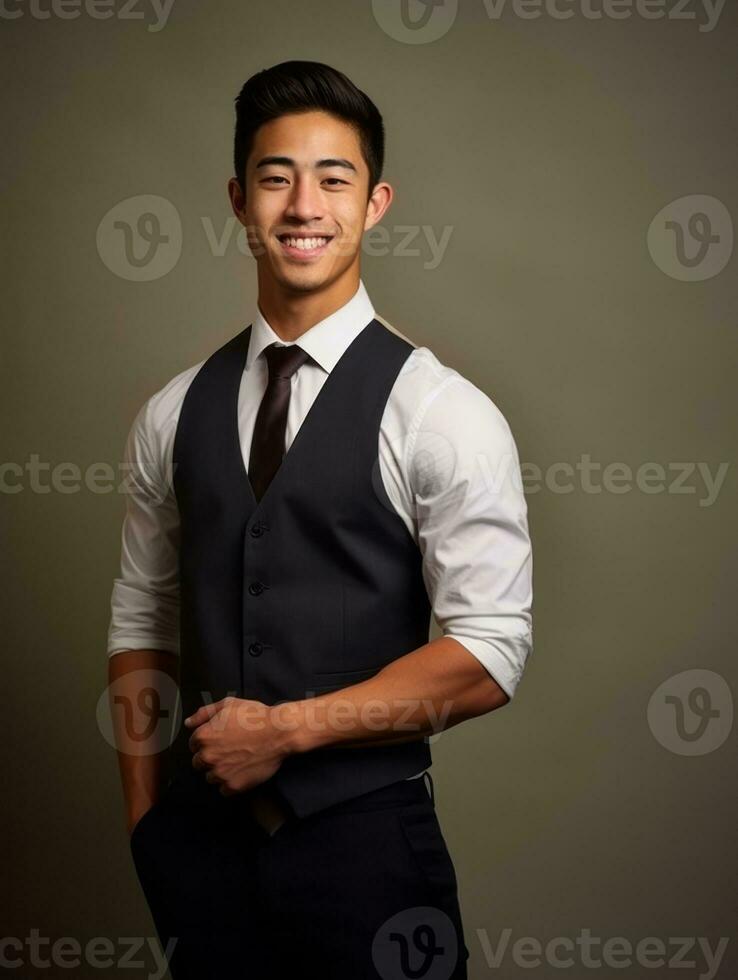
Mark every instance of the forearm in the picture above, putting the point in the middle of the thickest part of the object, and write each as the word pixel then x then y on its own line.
pixel 428 690
pixel 134 676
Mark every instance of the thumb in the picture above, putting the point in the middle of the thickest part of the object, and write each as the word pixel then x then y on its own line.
pixel 203 714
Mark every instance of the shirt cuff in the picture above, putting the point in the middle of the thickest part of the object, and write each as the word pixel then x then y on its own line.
pixel 141 620
pixel 504 666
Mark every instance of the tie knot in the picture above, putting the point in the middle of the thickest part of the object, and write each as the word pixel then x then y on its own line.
pixel 284 361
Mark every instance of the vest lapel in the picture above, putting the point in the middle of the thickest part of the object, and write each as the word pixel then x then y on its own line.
pixel 314 413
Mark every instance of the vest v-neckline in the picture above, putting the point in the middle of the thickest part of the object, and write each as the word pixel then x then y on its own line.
pixel 306 422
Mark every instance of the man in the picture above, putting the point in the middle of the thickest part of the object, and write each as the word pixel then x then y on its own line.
pixel 332 485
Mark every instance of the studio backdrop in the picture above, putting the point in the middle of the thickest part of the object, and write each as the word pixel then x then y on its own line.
pixel 562 235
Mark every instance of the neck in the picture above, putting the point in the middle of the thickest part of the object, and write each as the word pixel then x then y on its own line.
pixel 292 312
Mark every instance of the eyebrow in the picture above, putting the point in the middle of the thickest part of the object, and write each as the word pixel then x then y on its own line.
pixel 319 164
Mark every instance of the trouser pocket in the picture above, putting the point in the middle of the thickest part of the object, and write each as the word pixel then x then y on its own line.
pixel 425 840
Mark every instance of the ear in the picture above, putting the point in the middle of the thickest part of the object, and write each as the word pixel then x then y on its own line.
pixel 378 203
pixel 237 199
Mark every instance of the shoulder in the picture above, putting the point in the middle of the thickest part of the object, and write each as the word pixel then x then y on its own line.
pixel 429 394
pixel 156 421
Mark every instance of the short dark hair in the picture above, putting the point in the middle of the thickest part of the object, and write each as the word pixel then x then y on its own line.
pixel 304 86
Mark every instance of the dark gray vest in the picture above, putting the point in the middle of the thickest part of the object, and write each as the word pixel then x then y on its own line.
pixel 315 587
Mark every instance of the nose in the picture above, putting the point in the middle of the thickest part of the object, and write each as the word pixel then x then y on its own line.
pixel 305 202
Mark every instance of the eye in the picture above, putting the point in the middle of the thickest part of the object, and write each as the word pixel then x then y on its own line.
pixel 337 180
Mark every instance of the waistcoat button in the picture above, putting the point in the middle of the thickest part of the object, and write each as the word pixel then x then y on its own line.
pixel 256 588
pixel 257 530
pixel 256 649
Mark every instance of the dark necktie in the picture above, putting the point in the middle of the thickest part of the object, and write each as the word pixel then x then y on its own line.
pixel 268 440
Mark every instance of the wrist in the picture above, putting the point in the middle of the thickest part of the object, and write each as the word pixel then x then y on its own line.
pixel 289 721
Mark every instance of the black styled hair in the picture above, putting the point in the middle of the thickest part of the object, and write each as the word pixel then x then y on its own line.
pixel 304 86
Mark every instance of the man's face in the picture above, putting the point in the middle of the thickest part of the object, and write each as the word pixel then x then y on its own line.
pixel 305 206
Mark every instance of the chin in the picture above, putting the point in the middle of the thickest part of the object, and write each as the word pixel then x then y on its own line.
pixel 303 280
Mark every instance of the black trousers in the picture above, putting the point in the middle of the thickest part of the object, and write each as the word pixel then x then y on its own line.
pixel 364 889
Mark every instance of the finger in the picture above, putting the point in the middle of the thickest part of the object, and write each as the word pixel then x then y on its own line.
pixel 195 741
pixel 204 713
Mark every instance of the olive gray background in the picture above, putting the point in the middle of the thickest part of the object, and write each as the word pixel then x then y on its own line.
pixel 547 147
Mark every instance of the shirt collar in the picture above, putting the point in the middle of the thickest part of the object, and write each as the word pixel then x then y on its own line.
pixel 327 340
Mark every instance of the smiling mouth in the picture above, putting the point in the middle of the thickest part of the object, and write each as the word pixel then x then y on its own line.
pixel 302 245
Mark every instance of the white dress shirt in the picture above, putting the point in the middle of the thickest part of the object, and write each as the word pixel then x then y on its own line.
pixel 447 459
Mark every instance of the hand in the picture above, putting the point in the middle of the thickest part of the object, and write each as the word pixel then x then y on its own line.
pixel 237 743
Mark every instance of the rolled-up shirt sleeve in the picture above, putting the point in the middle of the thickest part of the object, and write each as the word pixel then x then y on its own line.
pixel 471 518
pixel 144 604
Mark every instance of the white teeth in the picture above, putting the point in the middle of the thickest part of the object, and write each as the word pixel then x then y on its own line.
pixel 305 244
